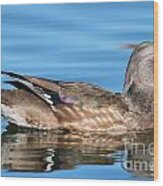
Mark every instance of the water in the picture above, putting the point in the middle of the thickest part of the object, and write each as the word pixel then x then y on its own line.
pixel 89 156
pixel 72 42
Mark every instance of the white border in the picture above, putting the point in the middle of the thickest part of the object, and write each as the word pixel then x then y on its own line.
pixel 59 1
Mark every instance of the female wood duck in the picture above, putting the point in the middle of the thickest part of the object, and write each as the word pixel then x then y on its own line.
pixel 47 104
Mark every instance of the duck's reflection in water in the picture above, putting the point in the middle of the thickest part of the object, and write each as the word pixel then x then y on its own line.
pixel 48 151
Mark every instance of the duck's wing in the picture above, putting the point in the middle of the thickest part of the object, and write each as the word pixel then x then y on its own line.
pixel 76 105
pixel 56 92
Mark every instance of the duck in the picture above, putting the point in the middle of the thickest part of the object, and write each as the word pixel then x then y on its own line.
pixel 45 104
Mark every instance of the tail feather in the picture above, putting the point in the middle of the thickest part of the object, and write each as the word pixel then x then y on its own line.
pixel 25 83
pixel 14 75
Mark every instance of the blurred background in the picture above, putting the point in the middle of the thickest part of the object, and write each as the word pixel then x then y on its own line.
pixel 74 42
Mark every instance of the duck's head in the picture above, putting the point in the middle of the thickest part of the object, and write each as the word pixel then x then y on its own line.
pixel 139 77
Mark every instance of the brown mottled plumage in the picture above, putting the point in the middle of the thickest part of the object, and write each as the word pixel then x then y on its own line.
pixel 47 104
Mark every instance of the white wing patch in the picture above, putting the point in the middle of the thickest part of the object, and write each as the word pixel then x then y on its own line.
pixel 49 98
